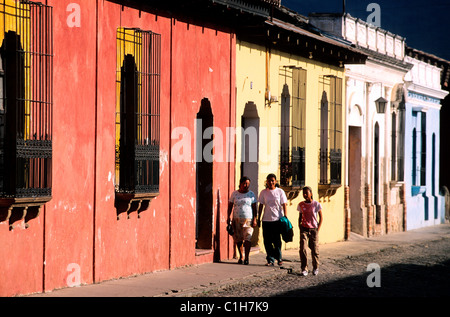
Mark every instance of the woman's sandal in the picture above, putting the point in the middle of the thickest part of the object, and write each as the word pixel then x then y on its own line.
pixel 245 262
pixel 269 264
pixel 240 261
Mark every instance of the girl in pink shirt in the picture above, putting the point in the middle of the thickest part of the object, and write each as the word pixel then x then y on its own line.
pixel 309 222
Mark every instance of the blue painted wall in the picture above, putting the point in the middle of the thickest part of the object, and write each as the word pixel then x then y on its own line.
pixel 425 205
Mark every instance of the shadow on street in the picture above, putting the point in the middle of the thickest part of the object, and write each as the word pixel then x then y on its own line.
pixel 399 280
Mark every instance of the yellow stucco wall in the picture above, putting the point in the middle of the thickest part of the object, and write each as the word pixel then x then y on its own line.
pixel 251 63
pixel 15 17
pixel 129 42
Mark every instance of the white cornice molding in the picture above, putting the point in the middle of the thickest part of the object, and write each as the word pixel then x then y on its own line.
pixel 427 91
pixel 374 72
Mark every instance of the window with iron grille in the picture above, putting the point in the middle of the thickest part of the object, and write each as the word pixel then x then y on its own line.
pixel 394 146
pixel 137 112
pixel 292 151
pixel 423 150
pixel 330 134
pixel 414 155
pixel 397 138
pixel 419 148
pixel 26 90
pixel 401 143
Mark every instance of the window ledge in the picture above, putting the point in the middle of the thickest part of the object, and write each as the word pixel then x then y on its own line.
pixel 130 202
pixel 328 190
pixel 292 192
pixel 394 184
pixel 13 209
pixel 417 190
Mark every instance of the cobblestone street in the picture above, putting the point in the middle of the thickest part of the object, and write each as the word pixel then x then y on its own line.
pixel 412 270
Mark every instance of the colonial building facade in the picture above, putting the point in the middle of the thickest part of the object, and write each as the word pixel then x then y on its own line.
pixel 421 98
pixel 290 94
pixel 374 170
pixel 90 187
pixel 117 155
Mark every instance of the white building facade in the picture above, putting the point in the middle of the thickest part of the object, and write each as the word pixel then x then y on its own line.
pixel 375 121
pixel 423 97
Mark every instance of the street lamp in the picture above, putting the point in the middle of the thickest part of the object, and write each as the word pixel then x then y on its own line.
pixel 381 104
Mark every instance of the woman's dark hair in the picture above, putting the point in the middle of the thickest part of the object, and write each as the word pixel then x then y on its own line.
pixel 271 175
pixel 244 179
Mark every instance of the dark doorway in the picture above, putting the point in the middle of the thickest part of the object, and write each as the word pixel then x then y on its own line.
pixel 250 145
pixel 250 153
pixel 204 177
pixel 376 173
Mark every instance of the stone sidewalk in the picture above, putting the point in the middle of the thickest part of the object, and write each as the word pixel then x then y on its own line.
pixel 192 280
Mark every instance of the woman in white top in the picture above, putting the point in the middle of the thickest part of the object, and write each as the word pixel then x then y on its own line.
pixel 243 204
pixel 273 200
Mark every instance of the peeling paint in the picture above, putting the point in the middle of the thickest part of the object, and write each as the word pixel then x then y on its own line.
pixel 73 209
pixel 164 160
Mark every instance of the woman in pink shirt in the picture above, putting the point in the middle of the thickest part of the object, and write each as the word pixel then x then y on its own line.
pixel 309 222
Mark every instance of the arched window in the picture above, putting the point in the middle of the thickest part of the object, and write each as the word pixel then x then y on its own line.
pixel 376 172
pixel 423 149
pixel 138 116
pixel 285 161
pixel 293 122
pixel 2 124
pixel 433 165
pixel 26 104
pixel 394 147
pixel 414 157
pixel 398 135
pixel 331 125
pixel 324 139
pixel 400 153
pixel 298 126
pixel 433 175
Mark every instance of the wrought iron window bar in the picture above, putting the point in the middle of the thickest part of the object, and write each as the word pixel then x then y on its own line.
pixel 293 108
pixel 26 102
pixel 137 119
pixel 330 153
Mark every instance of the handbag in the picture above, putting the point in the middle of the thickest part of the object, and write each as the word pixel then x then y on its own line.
pixel 287 230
